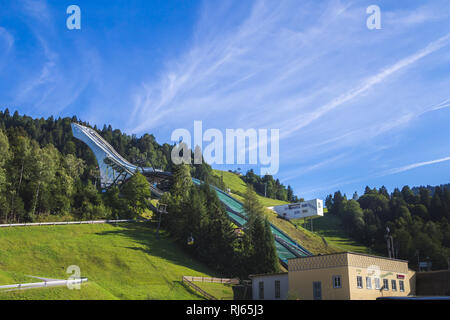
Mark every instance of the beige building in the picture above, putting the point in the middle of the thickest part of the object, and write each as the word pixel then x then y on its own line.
pixel 349 276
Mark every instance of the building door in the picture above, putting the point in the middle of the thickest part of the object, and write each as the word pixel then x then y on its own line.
pixel 317 290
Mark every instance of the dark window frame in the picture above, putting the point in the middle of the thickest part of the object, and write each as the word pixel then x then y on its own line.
pixel 277 289
pixel 401 285
pixel 317 290
pixel 394 285
pixel 377 284
pixel 339 280
pixel 369 283
pixel 359 282
pixel 386 284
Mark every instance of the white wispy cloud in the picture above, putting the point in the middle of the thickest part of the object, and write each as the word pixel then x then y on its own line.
pixel 59 72
pixel 341 95
pixel 414 166
pixel 38 9
pixel 8 39
pixel 353 137
pixel 311 69
pixel 47 75
pixel 418 16
pixel 306 119
pixel 6 46
pixel 245 67
pixel 298 172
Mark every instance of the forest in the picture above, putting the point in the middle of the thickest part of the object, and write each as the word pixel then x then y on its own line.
pixel 46 174
pixel 269 187
pixel 418 221
pixel 198 221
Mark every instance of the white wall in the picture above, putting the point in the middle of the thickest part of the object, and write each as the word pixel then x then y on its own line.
pixel 304 209
pixel 269 286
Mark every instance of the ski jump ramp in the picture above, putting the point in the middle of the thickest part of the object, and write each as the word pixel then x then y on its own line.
pixel 115 170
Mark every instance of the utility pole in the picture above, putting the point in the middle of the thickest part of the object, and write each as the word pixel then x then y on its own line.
pixel 162 208
pixel 418 259
pixel 390 243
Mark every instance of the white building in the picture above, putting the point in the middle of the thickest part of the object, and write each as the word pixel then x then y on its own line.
pixel 270 286
pixel 304 209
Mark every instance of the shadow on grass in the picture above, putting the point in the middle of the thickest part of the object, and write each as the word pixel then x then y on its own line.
pixel 144 234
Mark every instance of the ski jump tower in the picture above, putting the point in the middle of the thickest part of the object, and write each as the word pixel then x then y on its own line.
pixel 114 169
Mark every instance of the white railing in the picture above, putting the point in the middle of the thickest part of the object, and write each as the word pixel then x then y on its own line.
pixel 64 223
pixel 49 283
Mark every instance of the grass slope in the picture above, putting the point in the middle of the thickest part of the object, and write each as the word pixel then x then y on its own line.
pixel 309 240
pixel 238 187
pixel 121 262
pixel 328 236
pixel 218 290
pixel 330 228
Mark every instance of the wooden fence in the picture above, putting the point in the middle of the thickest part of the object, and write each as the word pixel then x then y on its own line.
pixel 198 289
pixel 212 280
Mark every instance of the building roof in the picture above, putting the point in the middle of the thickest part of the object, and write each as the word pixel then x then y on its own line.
pixel 350 252
pixel 267 274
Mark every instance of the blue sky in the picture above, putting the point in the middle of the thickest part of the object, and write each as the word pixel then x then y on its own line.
pixel 354 106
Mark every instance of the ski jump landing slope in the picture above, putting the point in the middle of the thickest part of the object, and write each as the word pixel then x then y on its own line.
pixel 114 169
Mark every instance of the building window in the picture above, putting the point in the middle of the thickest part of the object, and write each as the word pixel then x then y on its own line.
pixel 317 290
pixel 359 282
pixel 305 211
pixel 385 284
pixel 261 290
pixel 377 283
pixel 394 285
pixel 401 284
pixel 368 283
pixel 277 289
pixel 337 282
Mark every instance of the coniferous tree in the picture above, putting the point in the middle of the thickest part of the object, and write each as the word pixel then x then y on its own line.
pixel 4 158
pixel 137 192
pixel 261 251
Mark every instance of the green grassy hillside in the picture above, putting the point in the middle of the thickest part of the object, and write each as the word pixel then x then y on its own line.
pixel 330 229
pixel 327 237
pixel 238 187
pixel 309 240
pixel 218 290
pixel 126 261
